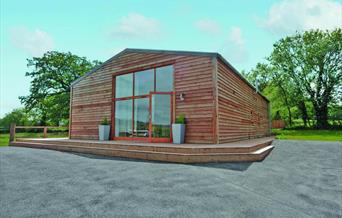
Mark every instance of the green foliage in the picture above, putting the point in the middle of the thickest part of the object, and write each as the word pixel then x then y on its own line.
pixel 313 63
pixel 105 121
pixel 335 114
pixel 277 116
pixel 303 76
pixel 18 116
pixel 320 135
pixel 180 119
pixel 51 76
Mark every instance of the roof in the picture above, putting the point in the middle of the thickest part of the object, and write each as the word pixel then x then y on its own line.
pixel 191 53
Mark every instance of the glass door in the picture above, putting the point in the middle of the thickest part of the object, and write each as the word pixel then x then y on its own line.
pixel 141 118
pixel 160 117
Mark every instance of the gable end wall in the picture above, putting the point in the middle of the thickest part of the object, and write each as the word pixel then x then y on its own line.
pixel 91 97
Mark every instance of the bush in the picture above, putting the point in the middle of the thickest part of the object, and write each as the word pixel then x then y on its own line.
pixel 104 121
pixel 180 119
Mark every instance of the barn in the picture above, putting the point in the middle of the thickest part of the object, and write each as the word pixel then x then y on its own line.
pixel 142 91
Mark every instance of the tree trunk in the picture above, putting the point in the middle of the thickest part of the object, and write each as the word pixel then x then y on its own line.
pixel 304 112
pixel 290 115
pixel 43 119
pixel 321 116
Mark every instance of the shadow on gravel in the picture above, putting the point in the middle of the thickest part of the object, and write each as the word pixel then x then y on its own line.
pixel 99 157
pixel 229 166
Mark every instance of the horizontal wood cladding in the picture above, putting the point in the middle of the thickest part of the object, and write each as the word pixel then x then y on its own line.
pixel 91 97
pixel 242 113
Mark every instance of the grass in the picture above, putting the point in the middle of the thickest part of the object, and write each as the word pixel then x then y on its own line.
pixel 319 135
pixel 4 137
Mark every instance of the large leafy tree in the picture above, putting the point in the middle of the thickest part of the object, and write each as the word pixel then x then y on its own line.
pixel 304 68
pixel 313 62
pixel 51 76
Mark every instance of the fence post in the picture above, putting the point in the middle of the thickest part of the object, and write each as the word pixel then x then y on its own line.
pixel 45 132
pixel 12 132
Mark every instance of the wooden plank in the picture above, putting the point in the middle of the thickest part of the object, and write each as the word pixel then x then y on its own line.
pixel 242 112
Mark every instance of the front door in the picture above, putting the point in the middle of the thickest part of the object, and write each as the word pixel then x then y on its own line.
pixel 160 116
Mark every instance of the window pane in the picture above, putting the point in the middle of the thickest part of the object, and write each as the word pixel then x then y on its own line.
pixel 161 116
pixel 123 118
pixel 124 86
pixel 164 79
pixel 141 117
pixel 144 82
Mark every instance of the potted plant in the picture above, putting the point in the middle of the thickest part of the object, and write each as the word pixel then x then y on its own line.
pixel 104 129
pixel 178 130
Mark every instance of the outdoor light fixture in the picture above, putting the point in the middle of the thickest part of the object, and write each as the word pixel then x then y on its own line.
pixel 181 96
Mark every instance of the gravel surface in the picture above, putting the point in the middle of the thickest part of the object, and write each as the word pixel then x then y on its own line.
pixel 298 179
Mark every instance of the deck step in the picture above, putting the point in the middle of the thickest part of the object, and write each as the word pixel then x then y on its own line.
pixel 257 155
pixel 156 148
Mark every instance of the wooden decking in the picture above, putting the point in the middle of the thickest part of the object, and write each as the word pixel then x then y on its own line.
pixel 241 151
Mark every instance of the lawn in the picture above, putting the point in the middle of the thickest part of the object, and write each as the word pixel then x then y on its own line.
pixel 320 135
pixel 4 137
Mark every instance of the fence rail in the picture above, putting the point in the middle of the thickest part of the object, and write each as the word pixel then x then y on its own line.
pixel 14 127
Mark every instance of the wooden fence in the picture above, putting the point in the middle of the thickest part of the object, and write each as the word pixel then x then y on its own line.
pixel 14 127
pixel 278 124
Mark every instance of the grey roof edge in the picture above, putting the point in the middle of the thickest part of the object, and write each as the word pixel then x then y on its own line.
pixel 176 52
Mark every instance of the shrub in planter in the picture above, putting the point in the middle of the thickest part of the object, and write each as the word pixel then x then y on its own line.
pixel 178 130
pixel 104 129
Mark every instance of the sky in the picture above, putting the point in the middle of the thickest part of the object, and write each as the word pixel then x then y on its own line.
pixel 242 31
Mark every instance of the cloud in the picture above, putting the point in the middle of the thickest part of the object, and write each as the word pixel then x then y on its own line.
pixel 289 16
pixel 35 43
pixel 235 46
pixel 208 26
pixel 137 26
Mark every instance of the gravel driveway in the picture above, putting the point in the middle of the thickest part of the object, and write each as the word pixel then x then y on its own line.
pixel 298 179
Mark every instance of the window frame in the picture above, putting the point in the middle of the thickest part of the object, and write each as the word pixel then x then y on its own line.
pixel 133 97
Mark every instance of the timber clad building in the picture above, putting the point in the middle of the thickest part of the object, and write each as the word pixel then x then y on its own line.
pixel 142 91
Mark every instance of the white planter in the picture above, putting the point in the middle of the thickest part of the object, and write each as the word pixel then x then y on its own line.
pixel 178 133
pixel 104 132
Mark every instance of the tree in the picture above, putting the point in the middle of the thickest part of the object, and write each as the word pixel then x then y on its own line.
pixel 18 116
pixel 313 63
pixel 51 76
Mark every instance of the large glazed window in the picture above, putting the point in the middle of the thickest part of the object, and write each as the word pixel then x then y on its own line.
pixel 164 79
pixel 143 82
pixel 124 86
pixel 142 104
pixel 123 118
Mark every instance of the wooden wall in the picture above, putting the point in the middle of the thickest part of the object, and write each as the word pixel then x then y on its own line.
pixel 92 96
pixel 242 113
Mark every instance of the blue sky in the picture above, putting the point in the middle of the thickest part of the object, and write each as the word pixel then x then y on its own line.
pixel 242 31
